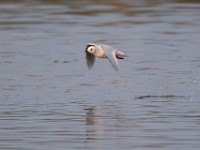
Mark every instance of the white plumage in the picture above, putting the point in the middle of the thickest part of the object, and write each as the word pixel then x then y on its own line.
pixel 103 51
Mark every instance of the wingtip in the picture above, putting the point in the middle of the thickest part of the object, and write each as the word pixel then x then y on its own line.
pixel 90 60
pixel 116 68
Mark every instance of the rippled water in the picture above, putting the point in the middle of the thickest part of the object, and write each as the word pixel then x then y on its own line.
pixel 50 100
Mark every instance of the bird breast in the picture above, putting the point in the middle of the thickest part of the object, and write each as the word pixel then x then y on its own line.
pixel 100 53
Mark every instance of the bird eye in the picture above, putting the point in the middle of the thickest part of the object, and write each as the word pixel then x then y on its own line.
pixel 91 49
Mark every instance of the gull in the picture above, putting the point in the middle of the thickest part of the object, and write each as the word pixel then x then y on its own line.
pixel 103 51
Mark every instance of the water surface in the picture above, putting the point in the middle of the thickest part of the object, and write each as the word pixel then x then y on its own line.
pixel 50 100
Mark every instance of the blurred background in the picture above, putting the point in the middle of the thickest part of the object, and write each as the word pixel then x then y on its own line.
pixel 50 100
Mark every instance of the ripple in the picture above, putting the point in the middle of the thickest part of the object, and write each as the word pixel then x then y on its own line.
pixel 160 96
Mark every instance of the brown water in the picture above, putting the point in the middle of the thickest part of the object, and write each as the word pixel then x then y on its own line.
pixel 49 100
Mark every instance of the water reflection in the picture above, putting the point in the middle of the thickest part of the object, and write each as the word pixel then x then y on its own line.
pixel 94 125
pixel 103 126
pixel 90 116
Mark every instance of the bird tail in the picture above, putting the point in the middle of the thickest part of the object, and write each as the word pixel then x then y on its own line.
pixel 120 55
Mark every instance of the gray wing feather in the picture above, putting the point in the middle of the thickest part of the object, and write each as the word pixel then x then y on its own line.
pixel 111 54
pixel 90 59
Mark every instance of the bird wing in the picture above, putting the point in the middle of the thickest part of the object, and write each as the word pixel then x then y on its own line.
pixel 90 59
pixel 111 54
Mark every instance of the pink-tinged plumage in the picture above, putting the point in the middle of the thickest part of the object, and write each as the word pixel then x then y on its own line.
pixel 103 51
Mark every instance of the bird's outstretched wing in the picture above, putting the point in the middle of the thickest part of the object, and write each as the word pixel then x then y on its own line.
pixel 111 54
